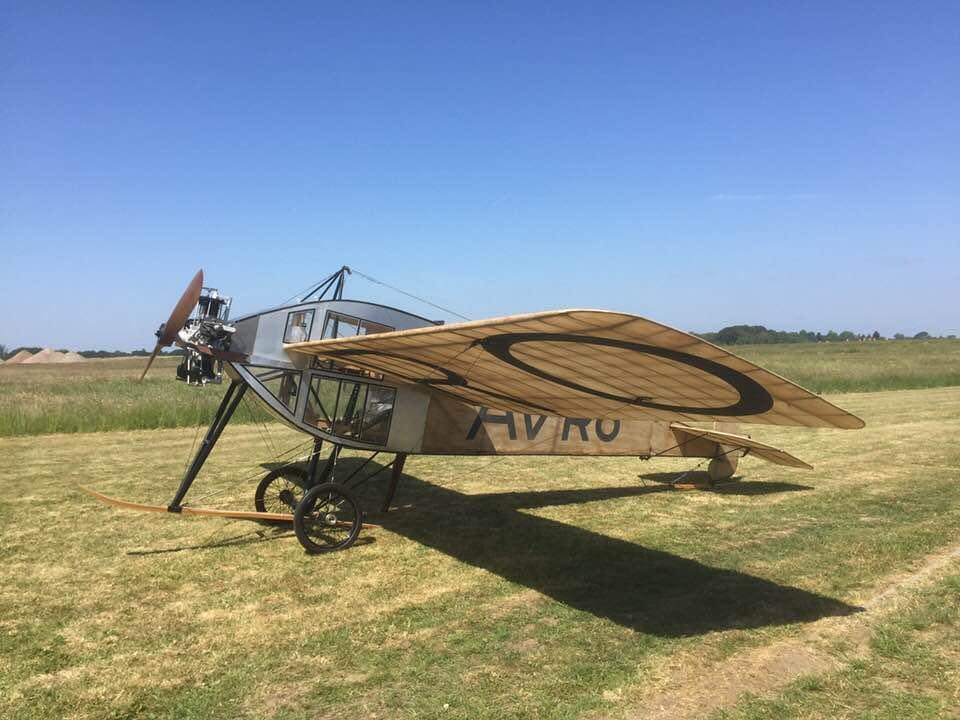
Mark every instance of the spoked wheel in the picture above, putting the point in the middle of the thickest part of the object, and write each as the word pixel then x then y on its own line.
pixel 280 490
pixel 327 518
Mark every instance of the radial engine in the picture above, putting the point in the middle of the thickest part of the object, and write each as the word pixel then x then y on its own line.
pixel 204 334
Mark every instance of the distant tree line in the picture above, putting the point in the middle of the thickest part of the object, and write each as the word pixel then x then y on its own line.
pixel 759 335
pixel 119 353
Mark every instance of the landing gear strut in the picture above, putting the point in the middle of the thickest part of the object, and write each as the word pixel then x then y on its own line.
pixel 326 514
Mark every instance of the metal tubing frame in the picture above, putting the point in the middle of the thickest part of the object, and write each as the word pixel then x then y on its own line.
pixel 334 281
pixel 397 463
pixel 338 290
pixel 361 467
pixel 231 399
pixel 314 460
pixel 318 479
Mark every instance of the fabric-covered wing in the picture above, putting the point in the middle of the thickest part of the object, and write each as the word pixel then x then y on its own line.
pixel 767 452
pixel 585 363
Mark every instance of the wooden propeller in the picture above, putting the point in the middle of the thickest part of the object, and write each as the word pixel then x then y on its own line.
pixel 178 318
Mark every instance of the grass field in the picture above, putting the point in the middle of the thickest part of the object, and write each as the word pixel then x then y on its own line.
pixel 862 366
pixel 102 395
pixel 508 588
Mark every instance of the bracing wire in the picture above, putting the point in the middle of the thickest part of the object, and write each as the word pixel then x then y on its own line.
pixel 251 472
pixel 255 470
pixel 261 426
pixel 299 294
pixel 196 433
pixel 313 287
pixel 409 295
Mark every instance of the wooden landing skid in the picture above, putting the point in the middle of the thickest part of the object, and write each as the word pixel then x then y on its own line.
pixel 185 510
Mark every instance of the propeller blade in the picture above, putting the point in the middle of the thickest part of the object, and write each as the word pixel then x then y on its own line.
pixel 153 355
pixel 181 311
pixel 178 318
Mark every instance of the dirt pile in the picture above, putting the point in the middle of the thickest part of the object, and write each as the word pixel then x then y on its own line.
pixel 19 357
pixel 45 356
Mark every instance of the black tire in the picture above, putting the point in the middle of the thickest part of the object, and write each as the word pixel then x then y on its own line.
pixel 327 518
pixel 722 468
pixel 281 490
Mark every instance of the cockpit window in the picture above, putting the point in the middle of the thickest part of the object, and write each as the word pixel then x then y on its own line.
pixel 377 414
pixel 339 325
pixel 351 409
pixel 282 384
pixel 299 323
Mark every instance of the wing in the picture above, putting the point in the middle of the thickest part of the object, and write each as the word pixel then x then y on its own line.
pixel 767 452
pixel 585 363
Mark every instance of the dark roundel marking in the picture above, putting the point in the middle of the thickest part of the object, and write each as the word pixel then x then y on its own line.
pixel 754 398
pixel 450 379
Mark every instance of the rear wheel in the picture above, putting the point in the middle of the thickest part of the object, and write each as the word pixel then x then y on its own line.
pixel 280 490
pixel 327 518
pixel 722 467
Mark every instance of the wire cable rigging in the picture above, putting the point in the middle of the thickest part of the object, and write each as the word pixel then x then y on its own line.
pixel 410 295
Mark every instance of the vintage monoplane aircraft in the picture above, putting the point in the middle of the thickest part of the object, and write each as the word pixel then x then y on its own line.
pixel 374 378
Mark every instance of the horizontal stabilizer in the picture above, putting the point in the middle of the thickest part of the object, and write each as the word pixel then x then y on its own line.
pixel 767 452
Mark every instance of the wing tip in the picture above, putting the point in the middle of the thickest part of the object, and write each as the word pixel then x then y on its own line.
pixel 854 422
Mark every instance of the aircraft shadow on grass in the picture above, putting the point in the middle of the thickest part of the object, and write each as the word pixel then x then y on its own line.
pixel 647 590
pixel 262 534
pixel 258 535
pixel 754 487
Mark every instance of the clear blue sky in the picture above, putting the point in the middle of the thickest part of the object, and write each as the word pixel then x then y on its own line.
pixel 795 165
